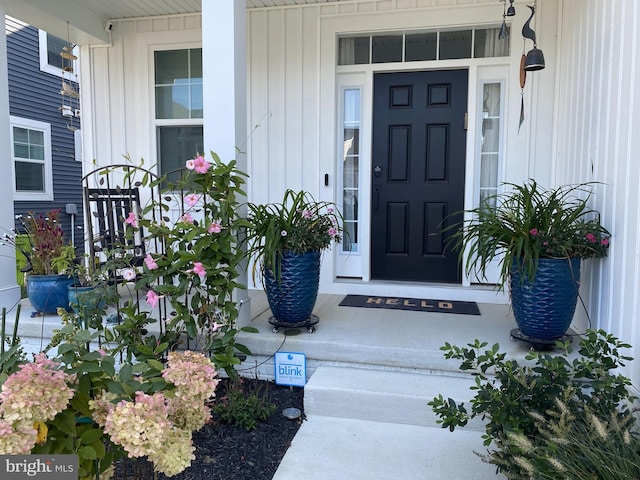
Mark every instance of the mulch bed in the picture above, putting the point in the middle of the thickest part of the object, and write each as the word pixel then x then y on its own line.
pixel 227 452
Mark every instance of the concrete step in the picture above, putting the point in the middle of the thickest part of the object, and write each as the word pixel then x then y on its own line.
pixel 331 448
pixel 383 395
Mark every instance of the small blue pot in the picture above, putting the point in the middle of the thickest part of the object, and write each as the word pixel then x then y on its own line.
pixel 47 293
pixel 84 297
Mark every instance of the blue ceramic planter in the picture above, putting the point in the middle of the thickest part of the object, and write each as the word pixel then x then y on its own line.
pixel 84 297
pixel 293 297
pixel 47 293
pixel 544 308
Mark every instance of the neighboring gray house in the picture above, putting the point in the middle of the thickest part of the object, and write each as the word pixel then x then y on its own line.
pixel 46 167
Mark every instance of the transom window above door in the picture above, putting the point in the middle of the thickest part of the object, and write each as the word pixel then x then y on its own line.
pixel 421 46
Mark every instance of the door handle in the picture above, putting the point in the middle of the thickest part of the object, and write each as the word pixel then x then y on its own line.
pixel 377 198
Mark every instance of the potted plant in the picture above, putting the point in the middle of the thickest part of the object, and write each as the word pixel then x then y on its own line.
pixel 286 240
pixel 48 260
pixel 538 237
pixel 90 288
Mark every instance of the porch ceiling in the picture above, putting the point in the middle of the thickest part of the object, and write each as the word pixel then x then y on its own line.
pixel 280 3
pixel 83 21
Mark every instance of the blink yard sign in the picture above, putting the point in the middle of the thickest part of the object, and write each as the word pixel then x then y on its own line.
pixel 290 369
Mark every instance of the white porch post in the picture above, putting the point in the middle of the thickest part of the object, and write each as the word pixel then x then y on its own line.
pixel 9 290
pixel 225 91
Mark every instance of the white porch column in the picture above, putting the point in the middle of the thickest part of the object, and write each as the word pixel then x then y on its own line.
pixel 225 90
pixel 9 290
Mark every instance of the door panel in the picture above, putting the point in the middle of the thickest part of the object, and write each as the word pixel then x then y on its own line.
pixel 418 173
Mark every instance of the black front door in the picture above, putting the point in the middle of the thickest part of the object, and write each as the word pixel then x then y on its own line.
pixel 418 176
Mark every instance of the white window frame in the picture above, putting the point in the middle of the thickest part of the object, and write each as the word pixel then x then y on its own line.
pixel 45 128
pixel 168 122
pixel 46 67
pixel 355 264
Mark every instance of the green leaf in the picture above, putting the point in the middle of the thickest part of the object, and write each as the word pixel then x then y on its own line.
pixel 88 453
pixel 89 367
pixel 161 348
pixel 126 372
pixel 115 387
pixel 65 421
pixel 90 436
pixel 155 364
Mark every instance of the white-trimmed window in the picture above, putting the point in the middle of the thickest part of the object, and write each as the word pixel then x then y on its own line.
pixel 491 139
pixel 178 106
pixel 50 48
pixel 31 159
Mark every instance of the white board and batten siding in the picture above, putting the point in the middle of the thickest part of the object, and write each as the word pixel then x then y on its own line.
pixel 598 120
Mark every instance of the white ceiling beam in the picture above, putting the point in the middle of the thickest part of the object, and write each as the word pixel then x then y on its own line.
pixel 86 27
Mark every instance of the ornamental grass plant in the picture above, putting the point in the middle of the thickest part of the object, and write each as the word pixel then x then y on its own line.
pixel 585 445
pixel 299 224
pixel 529 222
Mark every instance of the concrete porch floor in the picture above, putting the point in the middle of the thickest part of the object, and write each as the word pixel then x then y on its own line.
pixel 389 339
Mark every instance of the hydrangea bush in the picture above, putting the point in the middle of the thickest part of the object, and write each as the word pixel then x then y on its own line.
pixel 81 405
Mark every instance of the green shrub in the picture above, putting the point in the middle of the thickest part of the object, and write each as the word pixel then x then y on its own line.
pixel 244 405
pixel 509 396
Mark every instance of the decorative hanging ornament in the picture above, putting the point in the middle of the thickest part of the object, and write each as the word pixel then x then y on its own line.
pixel 523 80
pixel 535 57
pixel 504 31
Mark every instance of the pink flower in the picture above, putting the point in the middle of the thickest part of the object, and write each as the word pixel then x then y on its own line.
pixel 307 214
pixel 215 327
pixel 152 298
pixel 283 233
pixel 191 164
pixel 214 228
pixel 129 274
pixel 604 242
pixel 332 232
pixel 200 165
pixel 591 237
pixel 533 231
pixel 192 199
pixel 132 220
pixel 150 262
pixel 330 210
pixel 186 218
pixel 199 270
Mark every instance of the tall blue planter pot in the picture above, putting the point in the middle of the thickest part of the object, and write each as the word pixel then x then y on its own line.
pixel 544 308
pixel 47 293
pixel 293 297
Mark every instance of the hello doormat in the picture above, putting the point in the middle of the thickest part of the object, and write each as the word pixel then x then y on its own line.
pixel 415 304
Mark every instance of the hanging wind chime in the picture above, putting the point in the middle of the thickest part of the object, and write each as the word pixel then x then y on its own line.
pixel 70 96
pixel 531 61
pixel 506 12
